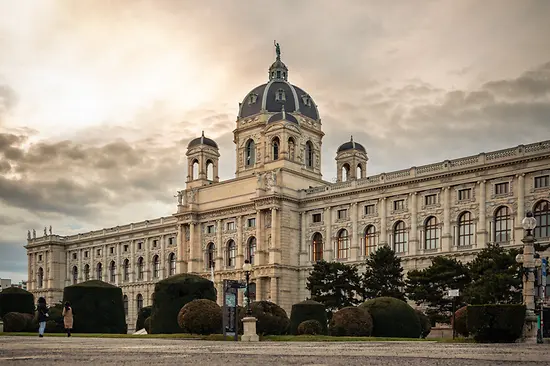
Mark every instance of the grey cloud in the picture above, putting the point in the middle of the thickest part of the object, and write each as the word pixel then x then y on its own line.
pixel 13 258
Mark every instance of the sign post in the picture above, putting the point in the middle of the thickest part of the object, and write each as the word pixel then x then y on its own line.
pixel 542 292
pixel 454 294
pixel 230 309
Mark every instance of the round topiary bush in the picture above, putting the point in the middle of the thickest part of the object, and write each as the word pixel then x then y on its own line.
pixel 201 316
pixel 311 327
pixel 143 314
pixel 308 310
pixel 171 294
pixel 352 322
pixel 147 325
pixel 19 322
pixel 392 318
pixel 461 325
pixel 272 319
pixel 15 299
pixel 97 307
pixel 425 323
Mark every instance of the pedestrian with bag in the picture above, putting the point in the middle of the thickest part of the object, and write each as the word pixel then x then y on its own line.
pixel 43 315
pixel 68 318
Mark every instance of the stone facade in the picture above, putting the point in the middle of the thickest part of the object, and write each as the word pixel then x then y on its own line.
pixel 281 215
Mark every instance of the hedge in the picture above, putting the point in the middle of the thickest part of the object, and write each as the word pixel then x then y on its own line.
pixel 425 323
pixel 19 322
pixel 97 307
pixel 392 318
pixel 201 316
pixel 310 327
pixel 351 322
pixel 143 314
pixel 496 323
pixel 461 325
pixel 272 319
pixel 308 310
pixel 171 294
pixel 15 299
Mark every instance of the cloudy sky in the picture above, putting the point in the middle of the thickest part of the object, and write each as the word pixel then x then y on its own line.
pixel 98 99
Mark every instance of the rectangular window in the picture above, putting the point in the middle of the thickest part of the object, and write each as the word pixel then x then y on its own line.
pixel 502 188
pixel 542 182
pixel 251 222
pixel 398 205
pixel 112 250
pixel 369 210
pixel 126 247
pixel 74 255
pixel 231 226
pixel 210 229
pixel 99 252
pixel 430 199
pixel 342 214
pixel 170 241
pixel 86 254
pixel 139 246
pixel 155 243
pixel 39 257
pixel 316 217
pixel 464 194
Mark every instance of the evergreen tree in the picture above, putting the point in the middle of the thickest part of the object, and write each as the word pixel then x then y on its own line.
pixel 383 275
pixel 430 286
pixel 496 277
pixel 334 284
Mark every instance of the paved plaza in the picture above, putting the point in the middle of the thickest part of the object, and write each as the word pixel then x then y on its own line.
pixel 132 351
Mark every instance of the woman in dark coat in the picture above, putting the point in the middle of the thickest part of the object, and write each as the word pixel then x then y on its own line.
pixel 42 312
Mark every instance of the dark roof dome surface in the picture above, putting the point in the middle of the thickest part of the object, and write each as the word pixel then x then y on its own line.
pixel 278 92
pixel 282 116
pixel 202 141
pixel 351 145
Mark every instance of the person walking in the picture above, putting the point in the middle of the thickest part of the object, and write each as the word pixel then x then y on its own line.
pixel 43 314
pixel 68 318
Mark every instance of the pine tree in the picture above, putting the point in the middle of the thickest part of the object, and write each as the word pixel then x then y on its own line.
pixel 383 275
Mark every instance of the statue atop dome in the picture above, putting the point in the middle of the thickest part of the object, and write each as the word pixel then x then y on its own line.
pixel 277 50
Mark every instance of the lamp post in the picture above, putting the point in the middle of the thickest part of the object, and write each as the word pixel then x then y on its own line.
pixel 247 267
pixel 529 267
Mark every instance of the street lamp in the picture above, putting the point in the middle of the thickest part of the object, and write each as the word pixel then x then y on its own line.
pixel 247 267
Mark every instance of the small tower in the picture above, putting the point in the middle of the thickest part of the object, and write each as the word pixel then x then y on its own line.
pixel 351 161
pixel 202 162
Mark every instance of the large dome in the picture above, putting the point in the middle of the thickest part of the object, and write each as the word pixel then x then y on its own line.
pixel 271 96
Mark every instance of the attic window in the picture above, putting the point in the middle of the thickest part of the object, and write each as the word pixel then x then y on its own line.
pixel 306 100
pixel 280 96
pixel 252 98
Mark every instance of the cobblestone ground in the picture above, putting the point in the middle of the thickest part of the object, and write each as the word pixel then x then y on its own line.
pixel 132 351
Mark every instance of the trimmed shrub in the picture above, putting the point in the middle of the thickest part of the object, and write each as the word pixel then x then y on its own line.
pixel 311 327
pixel 352 322
pixel 143 314
pixel 425 323
pixel 496 323
pixel 392 318
pixel 97 307
pixel 147 325
pixel 461 325
pixel 272 319
pixel 55 322
pixel 19 322
pixel 173 293
pixel 308 310
pixel 15 299
pixel 201 316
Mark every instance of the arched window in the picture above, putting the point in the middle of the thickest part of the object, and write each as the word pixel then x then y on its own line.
pixel 280 96
pixel 156 266
pixel 250 153
pixel 251 249
pixel 231 253
pixel 542 214
pixel 503 225
pixel 343 244
pixel 195 170
pixel 112 272
pixel 465 229
pixel 209 170
pixel 40 277
pixel 291 149
pixel 125 302
pixel 172 260
pixel 211 256
pixel 359 172
pixel 75 275
pixel 400 237
pixel 317 247
pixel 345 172
pixel 275 144
pixel 87 272
pixel 139 302
pixel 370 239
pixel 99 272
pixel 309 154
pixel 431 231
pixel 126 270
pixel 141 268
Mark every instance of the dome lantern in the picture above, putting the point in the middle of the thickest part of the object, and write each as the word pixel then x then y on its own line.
pixel 278 70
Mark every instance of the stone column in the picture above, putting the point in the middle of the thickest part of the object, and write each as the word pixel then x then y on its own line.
pixel 354 253
pixel 119 270
pixel 303 244
pixel 192 262
pixel 274 290
pixel 261 244
pixel 446 239
pixel 482 222
pixel 180 254
pixel 68 271
pixel 80 266
pixel 219 245
pixel 29 269
pixel 148 262
pixel 105 267
pixel 164 269
pixel 383 222
pixel 275 250
pixel 518 229
pixel 327 255
pixel 133 266
pixel 413 238
pixel 241 253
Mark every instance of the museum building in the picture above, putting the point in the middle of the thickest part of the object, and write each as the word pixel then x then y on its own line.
pixel 280 214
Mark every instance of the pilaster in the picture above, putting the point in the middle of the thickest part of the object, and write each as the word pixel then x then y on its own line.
pixel 261 242
pixel 354 252
pixel 105 265
pixel 446 239
pixel 80 267
pixel 118 266
pixel 274 289
pixel 482 221
pixel 192 263
pixel 413 237
pixel 520 215
pixel 220 246
pixel 240 245
pixel 327 251
pixel 303 253
pixel 383 222
pixel 275 250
